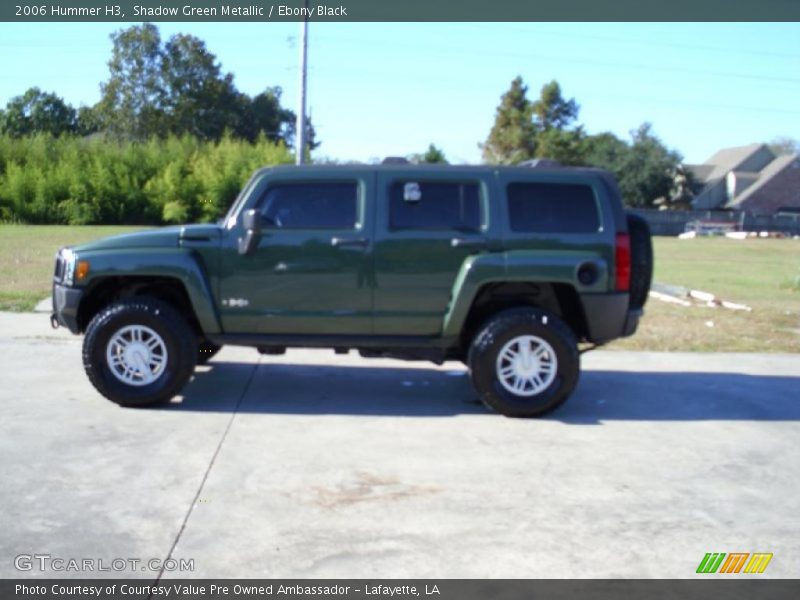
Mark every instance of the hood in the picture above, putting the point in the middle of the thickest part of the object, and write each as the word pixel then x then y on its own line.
pixel 164 237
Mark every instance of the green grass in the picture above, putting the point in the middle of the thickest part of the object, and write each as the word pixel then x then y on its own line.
pixel 762 273
pixel 27 258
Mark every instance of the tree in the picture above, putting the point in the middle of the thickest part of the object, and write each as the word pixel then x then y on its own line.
pixel 606 151
pixel 264 114
pixel 784 145
pixel 553 117
pixel 89 120
pixel 133 98
pixel 648 169
pixel 289 129
pixel 683 189
pixel 544 128
pixel 179 88
pixel 513 136
pixel 552 111
pixel 36 111
pixel 198 98
pixel 564 146
pixel 432 155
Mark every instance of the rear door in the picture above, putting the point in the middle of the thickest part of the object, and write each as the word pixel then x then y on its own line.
pixel 427 223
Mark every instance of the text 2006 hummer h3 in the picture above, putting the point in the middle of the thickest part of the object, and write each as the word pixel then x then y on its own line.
pixel 507 269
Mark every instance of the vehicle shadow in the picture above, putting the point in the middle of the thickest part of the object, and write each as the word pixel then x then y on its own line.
pixel 302 389
pixel 320 389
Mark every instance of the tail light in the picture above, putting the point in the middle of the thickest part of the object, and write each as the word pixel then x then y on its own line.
pixel 623 262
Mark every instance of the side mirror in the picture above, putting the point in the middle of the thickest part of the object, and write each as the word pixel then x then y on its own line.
pixel 251 221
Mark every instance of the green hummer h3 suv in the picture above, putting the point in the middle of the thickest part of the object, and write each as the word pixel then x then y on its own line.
pixel 507 269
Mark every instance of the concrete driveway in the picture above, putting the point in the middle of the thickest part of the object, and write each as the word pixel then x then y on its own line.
pixel 317 465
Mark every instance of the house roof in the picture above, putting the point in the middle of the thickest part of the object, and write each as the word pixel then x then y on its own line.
pixel 741 181
pixel 700 172
pixel 729 159
pixel 776 166
pixel 748 176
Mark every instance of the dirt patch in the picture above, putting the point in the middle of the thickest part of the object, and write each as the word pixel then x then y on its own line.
pixel 368 487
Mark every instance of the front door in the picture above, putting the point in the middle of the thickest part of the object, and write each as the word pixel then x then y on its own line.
pixel 312 270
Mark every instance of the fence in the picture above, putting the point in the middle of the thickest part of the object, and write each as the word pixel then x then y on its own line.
pixel 673 222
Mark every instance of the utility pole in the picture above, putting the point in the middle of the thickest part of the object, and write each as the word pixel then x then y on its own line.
pixel 301 112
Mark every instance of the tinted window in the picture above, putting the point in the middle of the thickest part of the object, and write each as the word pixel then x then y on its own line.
pixel 552 208
pixel 440 206
pixel 311 206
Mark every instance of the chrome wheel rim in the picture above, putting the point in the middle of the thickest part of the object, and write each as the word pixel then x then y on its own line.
pixel 136 355
pixel 526 365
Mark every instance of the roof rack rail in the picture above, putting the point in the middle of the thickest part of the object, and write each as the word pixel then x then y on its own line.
pixel 540 163
pixel 395 160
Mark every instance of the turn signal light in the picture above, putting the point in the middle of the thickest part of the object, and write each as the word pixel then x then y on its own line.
pixel 81 270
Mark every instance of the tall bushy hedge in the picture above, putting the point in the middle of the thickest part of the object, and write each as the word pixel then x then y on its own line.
pixel 78 181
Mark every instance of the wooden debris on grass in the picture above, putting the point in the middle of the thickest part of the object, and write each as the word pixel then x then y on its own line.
pixel 670 299
pixel 675 294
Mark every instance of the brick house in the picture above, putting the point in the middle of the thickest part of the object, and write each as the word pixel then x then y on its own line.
pixel 750 179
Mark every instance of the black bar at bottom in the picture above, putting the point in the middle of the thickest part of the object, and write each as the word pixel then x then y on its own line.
pixel 705 587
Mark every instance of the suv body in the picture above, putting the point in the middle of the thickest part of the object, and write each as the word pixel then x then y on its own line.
pixel 416 262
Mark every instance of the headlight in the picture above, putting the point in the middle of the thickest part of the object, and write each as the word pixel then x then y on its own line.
pixel 69 266
pixel 74 269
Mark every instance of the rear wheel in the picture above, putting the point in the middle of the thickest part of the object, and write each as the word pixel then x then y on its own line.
pixel 524 362
pixel 139 351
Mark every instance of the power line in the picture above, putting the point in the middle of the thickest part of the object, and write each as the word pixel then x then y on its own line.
pixel 583 61
pixel 400 79
pixel 651 42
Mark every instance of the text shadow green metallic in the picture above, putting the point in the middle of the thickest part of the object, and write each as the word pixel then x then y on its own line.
pixel 400 10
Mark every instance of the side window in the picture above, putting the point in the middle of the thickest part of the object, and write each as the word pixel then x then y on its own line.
pixel 552 208
pixel 310 206
pixel 434 205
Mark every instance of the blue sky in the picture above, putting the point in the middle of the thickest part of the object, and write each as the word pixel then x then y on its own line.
pixel 391 89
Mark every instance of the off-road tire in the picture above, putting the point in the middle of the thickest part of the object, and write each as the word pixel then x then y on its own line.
pixel 178 338
pixel 641 260
pixel 499 331
pixel 206 351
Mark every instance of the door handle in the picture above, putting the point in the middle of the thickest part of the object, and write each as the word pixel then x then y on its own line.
pixel 360 242
pixel 467 243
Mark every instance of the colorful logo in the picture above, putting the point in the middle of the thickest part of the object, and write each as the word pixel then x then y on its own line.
pixel 716 562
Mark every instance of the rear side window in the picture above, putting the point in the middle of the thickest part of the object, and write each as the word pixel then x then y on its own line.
pixel 552 208
pixel 311 206
pixel 435 205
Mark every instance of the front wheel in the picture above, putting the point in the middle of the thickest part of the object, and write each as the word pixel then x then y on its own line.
pixel 139 352
pixel 524 362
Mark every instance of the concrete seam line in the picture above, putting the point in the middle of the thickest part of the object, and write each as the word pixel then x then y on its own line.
pixel 206 474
